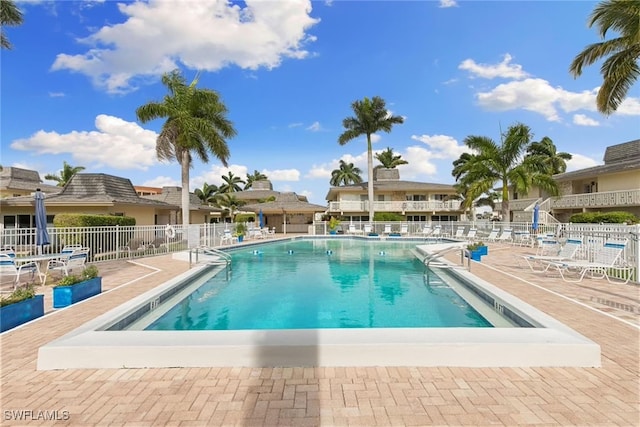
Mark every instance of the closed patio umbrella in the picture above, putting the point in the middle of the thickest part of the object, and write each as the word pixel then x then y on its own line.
pixel 261 218
pixel 42 235
pixel 536 216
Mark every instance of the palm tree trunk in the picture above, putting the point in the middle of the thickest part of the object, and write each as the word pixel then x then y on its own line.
pixel 370 173
pixel 505 203
pixel 185 188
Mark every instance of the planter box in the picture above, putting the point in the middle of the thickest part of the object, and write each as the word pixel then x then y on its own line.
pixel 240 239
pixel 475 255
pixel 484 250
pixel 64 296
pixel 333 232
pixel 21 312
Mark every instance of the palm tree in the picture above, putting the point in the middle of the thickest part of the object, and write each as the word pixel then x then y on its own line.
pixel 231 183
pixel 345 175
pixel 501 164
pixel 620 70
pixel 253 177
pixel 196 123
pixel 545 154
pixel 371 116
pixel 207 193
pixel 229 202
pixel 389 160
pixel 66 174
pixel 9 15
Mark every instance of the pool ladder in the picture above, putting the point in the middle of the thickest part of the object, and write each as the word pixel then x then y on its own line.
pixel 433 259
pixel 220 257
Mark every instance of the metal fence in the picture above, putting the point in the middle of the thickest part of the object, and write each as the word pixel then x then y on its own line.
pixel 109 243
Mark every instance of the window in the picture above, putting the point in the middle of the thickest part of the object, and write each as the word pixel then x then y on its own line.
pixel 416 197
pixel 416 218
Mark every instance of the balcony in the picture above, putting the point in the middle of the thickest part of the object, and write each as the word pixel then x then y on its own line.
pixel 398 206
pixel 520 204
pixel 605 199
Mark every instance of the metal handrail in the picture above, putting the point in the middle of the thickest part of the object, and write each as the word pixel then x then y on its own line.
pixel 439 254
pixel 207 250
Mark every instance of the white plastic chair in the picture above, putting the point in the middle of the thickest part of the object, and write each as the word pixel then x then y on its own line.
pixel 404 229
pixel 227 238
pixel 387 229
pixel 605 259
pixel 11 273
pixel 541 263
pixel 76 261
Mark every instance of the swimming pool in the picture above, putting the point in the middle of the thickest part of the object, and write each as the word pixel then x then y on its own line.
pixel 306 284
pixel 543 341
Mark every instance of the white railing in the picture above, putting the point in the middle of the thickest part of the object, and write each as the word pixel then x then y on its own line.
pixel 598 200
pixel 395 206
pixel 109 243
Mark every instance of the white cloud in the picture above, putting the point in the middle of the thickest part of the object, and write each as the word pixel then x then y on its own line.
pixel 294 125
pixel 504 69
pixel 56 94
pixel 582 120
pixel 578 161
pixel 282 174
pixel 442 146
pixel 315 127
pixel 162 181
pixel 159 35
pixel 420 163
pixel 448 3
pixel 322 171
pixel 308 194
pixel 629 107
pixel 116 143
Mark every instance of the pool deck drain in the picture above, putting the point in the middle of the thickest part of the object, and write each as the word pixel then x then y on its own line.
pixel 373 396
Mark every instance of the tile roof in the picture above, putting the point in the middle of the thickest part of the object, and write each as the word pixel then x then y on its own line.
pixel 288 202
pixel 173 195
pixel 622 152
pixel 12 178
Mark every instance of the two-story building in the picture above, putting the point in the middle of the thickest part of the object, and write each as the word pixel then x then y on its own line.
pixel 613 186
pixel 15 182
pixel 415 201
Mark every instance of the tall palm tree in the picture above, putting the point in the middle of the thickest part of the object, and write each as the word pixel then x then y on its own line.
pixel 66 174
pixel 207 193
pixel 231 183
pixel 9 15
pixel 389 160
pixel 371 116
pixel 253 177
pixel 196 124
pixel 620 69
pixel 346 174
pixel 502 164
pixel 546 155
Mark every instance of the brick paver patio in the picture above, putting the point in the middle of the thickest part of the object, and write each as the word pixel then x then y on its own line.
pixel 373 396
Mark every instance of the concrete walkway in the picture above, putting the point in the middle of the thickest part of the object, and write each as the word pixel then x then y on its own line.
pixel 379 396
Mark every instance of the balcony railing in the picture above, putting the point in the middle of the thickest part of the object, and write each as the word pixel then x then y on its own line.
pixel 603 199
pixel 521 204
pixel 397 206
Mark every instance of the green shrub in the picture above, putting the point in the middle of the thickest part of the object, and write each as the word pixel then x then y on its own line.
pixel 333 223
pixel 241 229
pixel 387 216
pixel 69 280
pixel 87 220
pixel 90 272
pixel 20 294
pixel 475 246
pixel 604 217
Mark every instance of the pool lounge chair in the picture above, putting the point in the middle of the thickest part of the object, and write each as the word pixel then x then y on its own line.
pixel 404 229
pixel 437 232
pixel 74 264
pixel 353 230
pixel 426 231
pixel 10 273
pixel 459 233
pixel 606 258
pixel 492 236
pixel 541 263
pixel 471 235
pixel 387 229
pixel 505 236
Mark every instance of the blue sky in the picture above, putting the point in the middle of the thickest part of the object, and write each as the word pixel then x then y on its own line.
pixel 288 72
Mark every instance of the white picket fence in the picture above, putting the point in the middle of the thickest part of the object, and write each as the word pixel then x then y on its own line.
pixel 109 243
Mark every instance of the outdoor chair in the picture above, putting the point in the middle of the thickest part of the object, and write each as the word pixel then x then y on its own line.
pixel 541 263
pixel 387 229
pixel 10 273
pixel 459 233
pixel 493 235
pixel 404 229
pixel 426 231
pixel 471 235
pixel 606 259
pixel 76 262
pixel 353 230
pixel 367 229
pixel 227 238
pixel 505 236
pixel 136 246
pixel 437 231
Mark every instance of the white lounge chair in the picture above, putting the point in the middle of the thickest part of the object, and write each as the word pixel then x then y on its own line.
pixel 227 238
pixel 76 262
pixel 10 273
pixel 493 235
pixel 437 231
pixel 426 231
pixel 353 229
pixel 605 259
pixel 471 235
pixel 505 236
pixel 541 263
pixel 404 229
pixel 387 229
pixel 367 229
pixel 459 233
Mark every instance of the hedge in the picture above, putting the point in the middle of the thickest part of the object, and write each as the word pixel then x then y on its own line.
pixel 604 217
pixel 99 241
pixel 87 220
pixel 387 216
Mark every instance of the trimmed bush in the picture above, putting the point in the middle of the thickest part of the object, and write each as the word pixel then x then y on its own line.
pixel 245 217
pixel 86 220
pixel 387 216
pixel 604 217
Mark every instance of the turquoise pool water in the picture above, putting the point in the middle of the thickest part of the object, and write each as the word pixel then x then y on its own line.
pixel 323 283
